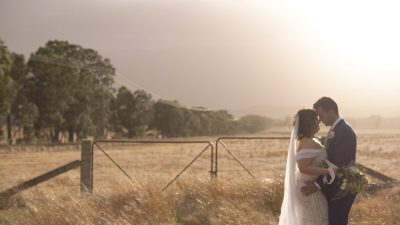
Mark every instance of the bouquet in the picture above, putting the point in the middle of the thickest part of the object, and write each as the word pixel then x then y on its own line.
pixel 350 178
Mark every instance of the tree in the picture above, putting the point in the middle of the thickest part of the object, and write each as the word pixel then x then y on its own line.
pixel 174 120
pixel 72 88
pixel 201 124
pixel 23 113
pixel 132 112
pixel 169 118
pixel 253 123
pixel 7 86
pixel 222 122
pixel 89 113
pixel 144 111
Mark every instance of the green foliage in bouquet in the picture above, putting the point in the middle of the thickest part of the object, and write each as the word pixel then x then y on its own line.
pixel 351 179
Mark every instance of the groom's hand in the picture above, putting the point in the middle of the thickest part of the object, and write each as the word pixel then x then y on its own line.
pixel 309 188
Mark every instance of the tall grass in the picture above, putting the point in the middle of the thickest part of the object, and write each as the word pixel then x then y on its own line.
pixel 234 198
pixel 190 201
pixel 381 208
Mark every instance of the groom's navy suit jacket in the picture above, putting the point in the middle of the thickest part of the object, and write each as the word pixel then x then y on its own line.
pixel 341 150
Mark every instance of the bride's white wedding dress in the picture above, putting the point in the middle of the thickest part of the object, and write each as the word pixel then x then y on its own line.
pixel 313 209
pixel 296 208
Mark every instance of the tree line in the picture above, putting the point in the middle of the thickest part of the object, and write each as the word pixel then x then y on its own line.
pixel 65 92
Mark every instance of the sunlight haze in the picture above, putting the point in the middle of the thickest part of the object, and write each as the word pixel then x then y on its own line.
pixel 264 57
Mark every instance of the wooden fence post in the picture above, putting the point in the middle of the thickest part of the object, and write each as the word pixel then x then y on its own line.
pixel 86 166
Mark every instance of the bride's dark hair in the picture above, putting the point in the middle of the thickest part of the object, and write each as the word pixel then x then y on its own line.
pixel 307 118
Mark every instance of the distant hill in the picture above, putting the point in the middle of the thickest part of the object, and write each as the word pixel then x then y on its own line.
pixel 375 122
pixel 273 111
pixel 283 114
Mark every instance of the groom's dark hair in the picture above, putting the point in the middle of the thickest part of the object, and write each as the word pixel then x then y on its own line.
pixel 327 104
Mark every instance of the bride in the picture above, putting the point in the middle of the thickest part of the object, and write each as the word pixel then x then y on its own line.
pixel 303 164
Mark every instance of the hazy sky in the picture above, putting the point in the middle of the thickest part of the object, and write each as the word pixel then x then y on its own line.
pixel 267 57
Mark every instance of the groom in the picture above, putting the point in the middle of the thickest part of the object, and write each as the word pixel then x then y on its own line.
pixel 341 147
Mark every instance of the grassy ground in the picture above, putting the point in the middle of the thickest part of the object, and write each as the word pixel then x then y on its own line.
pixel 234 198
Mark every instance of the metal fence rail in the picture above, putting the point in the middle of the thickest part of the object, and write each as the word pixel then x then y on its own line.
pixel 220 142
pixel 89 174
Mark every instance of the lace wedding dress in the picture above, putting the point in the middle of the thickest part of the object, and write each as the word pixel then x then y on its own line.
pixel 313 209
pixel 296 208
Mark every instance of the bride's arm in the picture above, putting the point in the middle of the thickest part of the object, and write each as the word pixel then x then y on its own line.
pixel 305 166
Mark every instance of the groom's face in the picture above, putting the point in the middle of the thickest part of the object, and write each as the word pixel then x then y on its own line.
pixel 324 116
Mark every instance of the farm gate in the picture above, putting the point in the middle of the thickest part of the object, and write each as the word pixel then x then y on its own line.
pixel 89 147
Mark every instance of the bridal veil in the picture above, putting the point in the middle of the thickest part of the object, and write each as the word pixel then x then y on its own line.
pixel 289 210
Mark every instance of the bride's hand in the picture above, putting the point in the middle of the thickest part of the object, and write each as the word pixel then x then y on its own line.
pixel 336 170
pixel 309 188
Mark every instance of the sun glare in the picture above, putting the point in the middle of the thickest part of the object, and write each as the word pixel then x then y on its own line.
pixel 359 35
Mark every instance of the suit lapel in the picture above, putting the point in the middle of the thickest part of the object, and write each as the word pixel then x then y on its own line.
pixel 331 141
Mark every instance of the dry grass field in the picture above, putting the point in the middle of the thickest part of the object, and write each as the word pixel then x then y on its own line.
pixel 234 197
